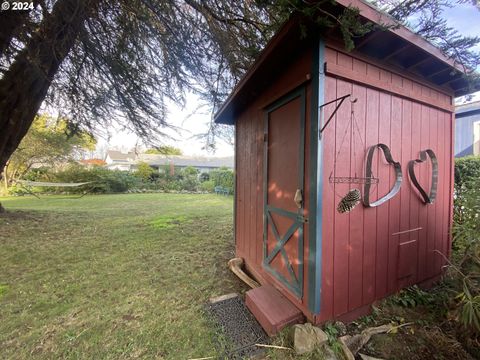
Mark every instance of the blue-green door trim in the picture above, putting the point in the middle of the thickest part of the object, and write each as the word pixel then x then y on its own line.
pixel 296 283
pixel 316 180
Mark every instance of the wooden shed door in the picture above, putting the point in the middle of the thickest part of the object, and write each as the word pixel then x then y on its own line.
pixel 283 190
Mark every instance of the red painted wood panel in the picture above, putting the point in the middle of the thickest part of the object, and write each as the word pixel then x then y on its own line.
pixel 383 172
pixel 394 206
pixel 360 252
pixel 342 223
pixel 409 259
pixel 283 154
pixel 356 236
pixel 422 175
pixel 259 192
pixel 439 149
pixel 361 259
pixel 249 167
pixel 370 217
pixel 416 121
pixel 240 201
pixel 431 209
pixel 247 185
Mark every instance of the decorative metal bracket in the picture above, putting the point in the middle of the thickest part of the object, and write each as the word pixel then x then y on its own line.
pixel 352 180
pixel 368 173
pixel 341 99
pixel 430 198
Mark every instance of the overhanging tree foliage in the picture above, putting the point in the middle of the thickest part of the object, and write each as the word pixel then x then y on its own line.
pixel 101 61
pixel 164 150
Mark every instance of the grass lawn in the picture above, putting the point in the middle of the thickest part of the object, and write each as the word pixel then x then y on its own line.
pixel 113 276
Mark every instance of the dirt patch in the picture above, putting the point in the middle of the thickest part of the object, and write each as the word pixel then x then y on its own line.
pixel 416 344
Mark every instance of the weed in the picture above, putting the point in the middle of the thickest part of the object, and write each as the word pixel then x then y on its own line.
pixel 411 297
pixel 3 290
pixel 167 222
pixel 469 312
pixel 333 332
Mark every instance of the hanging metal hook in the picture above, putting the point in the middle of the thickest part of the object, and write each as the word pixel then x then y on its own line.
pixel 341 99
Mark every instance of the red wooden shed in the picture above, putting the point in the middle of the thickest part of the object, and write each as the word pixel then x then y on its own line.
pixel 314 122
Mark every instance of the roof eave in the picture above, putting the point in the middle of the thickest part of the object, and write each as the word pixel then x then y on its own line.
pixel 225 114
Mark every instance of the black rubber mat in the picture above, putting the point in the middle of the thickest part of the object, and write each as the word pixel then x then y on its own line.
pixel 239 327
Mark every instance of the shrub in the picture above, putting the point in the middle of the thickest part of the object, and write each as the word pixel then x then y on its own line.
pixel 145 172
pixel 102 180
pixel 189 180
pixel 207 186
pixel 223 177
pixel 466 241
pixel 204 177
pixel 466 170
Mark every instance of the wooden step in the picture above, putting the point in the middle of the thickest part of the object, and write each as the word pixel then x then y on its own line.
pixel 271 309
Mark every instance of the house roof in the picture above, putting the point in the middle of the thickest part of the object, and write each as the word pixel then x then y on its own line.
pixel 398 47
pixel 467 109
pixel 116 155
pixel 93 162
pixel 182 160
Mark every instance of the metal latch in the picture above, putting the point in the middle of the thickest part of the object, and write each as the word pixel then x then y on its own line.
pixel 298 198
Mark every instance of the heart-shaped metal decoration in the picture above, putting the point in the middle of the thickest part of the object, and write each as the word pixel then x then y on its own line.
pixel 368 173
pixel 427 198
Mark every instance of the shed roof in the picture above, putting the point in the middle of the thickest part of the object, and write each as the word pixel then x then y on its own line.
pixel 398 47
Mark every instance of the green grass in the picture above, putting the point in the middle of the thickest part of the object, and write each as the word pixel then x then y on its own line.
pixel 113 276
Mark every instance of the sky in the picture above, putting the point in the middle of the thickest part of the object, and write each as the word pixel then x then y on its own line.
pixel 466 19
pixel 463 17
pixel 189 121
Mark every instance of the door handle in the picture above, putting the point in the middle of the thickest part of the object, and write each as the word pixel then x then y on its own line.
pixel 298 198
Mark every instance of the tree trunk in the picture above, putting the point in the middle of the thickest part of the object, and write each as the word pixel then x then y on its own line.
pixel 10 23
pixel 24 86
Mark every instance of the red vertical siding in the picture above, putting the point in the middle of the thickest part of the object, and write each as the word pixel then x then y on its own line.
pixel 258 192
pixel 240 184
pixel 408 239
pixel 342 228
pixel 432 219
pixel 383 187
pixel 249 172
pixel 356 243
pixel 415 144
pixel 370 217
pixel 362 259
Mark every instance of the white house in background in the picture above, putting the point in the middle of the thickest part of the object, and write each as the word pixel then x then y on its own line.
pixel 117 160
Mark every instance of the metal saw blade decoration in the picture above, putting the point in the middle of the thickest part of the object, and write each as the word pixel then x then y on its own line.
pixel 427 198
pixel 368 173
